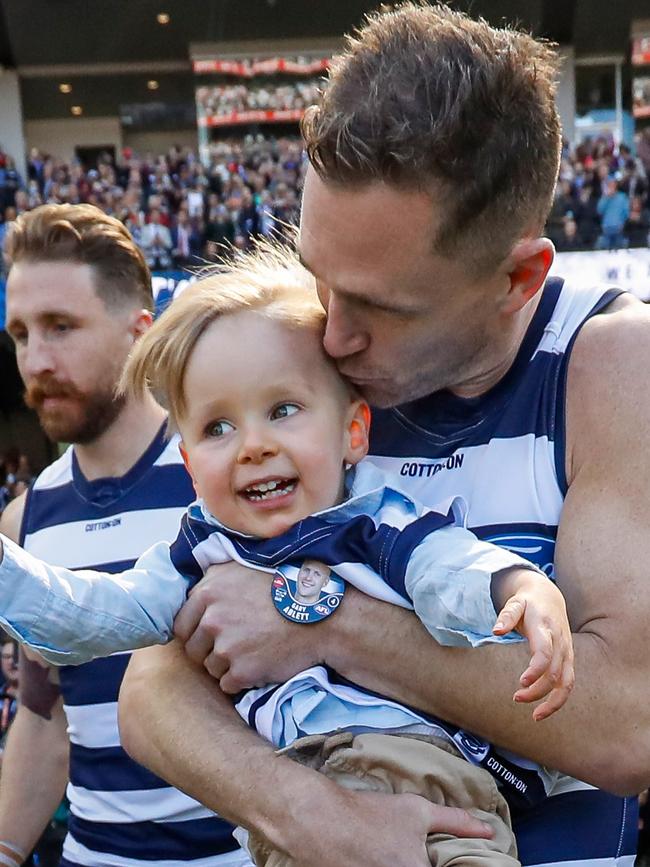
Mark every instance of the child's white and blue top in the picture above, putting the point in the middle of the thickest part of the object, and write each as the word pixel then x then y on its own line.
pixel 380 540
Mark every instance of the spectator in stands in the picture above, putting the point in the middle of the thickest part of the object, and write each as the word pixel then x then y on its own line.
pixel 10 181
pixel 156 242
pixel 633 181
pixel 9 689
pixel 638 223
pixel 187 240
pixel 587 217
pixel 220 229
pixel 614 209
pixel 570 240
pixel 248 218
pixel 643 148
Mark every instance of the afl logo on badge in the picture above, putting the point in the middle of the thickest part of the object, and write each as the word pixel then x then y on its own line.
pixel 308 593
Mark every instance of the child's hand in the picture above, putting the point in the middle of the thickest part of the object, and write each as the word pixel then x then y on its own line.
pixel 537 610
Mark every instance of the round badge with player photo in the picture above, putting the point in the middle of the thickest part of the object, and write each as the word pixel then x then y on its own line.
pixel 307 593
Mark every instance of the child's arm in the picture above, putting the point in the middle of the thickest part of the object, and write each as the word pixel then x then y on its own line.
pixel 537 610
pixel 449 578
pixel 70 617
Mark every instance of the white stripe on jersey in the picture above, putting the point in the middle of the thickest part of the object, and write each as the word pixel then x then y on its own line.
pixel 540 503
pixel 58 473
pixel 568 316
pixel 93 725
pixel 136 532
pixel 75 852
pixel 136 806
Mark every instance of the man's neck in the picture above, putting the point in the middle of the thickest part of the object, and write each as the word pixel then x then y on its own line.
pixel 123 443
pixel 495 366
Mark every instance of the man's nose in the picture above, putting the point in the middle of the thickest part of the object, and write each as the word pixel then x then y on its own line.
pixel 344 335
pixel 35 358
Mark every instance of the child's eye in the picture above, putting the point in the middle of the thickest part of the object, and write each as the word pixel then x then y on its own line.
pixel 218 428
pixel 284 410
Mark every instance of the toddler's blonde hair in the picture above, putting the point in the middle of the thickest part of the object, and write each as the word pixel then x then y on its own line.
pixel 269 280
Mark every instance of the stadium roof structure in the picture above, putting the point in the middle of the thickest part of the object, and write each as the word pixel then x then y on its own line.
pixel 109 50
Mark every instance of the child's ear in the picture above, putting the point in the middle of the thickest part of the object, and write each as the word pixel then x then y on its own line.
pixel 358 429
pixel 186 461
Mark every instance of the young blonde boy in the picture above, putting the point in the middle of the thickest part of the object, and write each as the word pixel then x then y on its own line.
pixel 273 438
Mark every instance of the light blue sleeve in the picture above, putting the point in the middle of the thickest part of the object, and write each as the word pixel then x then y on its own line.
pixel 71 617
pixel 448 578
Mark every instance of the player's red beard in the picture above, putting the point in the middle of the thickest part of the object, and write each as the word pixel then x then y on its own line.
pixel 81 419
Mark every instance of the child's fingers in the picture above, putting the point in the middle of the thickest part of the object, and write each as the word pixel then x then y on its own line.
pixel 541 645
pixel 554 701
pixel 509 616
pixel 555 691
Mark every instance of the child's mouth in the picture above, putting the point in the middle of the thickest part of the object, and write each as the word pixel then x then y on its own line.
pixel 270 490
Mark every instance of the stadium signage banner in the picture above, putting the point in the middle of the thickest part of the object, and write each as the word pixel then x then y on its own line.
pixel 269 66
pixel 628 269
pixel 253 116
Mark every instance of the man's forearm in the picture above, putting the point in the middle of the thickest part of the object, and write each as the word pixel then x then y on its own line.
pixel 34 776
pixel 384 648
pixel 242 780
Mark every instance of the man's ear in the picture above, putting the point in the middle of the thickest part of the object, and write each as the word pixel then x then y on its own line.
pixel 186 461
pixel 528 265
pixel 358 429
pixel 141 321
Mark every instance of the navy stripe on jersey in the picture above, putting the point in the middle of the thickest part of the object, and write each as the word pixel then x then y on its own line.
pixel 93 682
pixel 583 824
pixel 525 411
pixel 201 837
pixel 51 504
pixel 560 444
pixel 109 769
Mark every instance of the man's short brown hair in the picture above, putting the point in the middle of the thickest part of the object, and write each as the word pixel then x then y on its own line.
pixel 425 97
pixel 83 234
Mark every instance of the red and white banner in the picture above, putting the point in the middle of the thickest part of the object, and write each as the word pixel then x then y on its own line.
pixel 268 66
pixel 254 116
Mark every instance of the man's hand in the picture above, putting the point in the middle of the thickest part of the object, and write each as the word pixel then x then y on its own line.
pixel 376 829
pixel 230 626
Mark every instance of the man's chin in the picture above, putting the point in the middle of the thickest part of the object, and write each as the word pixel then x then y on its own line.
pixel 381 395
pixel 58 429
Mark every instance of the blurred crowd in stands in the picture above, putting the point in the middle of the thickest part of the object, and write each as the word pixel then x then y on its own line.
pixel 224 99
pixel 182 212
pixel 602 197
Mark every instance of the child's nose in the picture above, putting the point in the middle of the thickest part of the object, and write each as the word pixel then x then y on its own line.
pixel 256 447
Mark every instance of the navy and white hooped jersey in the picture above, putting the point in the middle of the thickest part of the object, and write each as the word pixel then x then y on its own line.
pixel 504 453
pixel 122 815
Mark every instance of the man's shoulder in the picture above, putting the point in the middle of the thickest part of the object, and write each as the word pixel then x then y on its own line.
pixel 612 343
pixel 607 405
